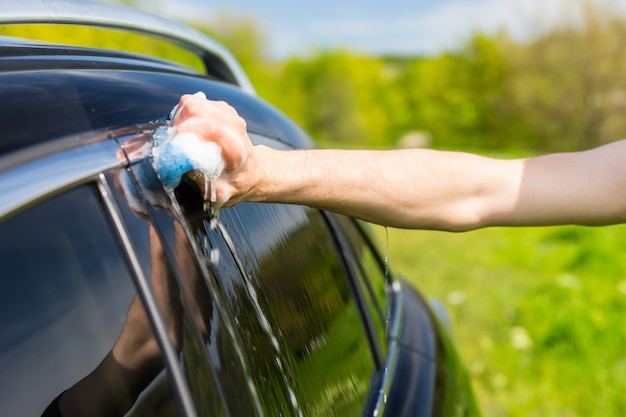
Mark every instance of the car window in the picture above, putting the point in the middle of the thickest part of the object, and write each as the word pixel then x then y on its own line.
pixel 371 272
pixel 198 327
pixel 73 332
pixel 300 327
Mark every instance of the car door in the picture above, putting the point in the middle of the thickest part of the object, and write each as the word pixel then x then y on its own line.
pixel 202 327
pixel 79 329
pixel 290 312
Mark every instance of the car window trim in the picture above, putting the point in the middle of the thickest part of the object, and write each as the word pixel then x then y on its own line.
pixel 380 263
pixel 342 245
pixel 388 364
pixel 38 179
pixel 217 59
pixel 168 353
pixel 391 362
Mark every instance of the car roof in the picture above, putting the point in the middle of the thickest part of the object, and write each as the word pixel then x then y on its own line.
pixel 46 103
pixel 51 92
pixel 217 59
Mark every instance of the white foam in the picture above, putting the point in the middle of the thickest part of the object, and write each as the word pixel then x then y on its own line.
pixel 204 156
pixel 197 154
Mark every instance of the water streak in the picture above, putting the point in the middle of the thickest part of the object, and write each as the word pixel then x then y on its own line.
pixel 173 155
pixel 219 303
pixel 258 309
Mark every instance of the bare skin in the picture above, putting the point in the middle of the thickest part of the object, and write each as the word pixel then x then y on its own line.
pixel 414 188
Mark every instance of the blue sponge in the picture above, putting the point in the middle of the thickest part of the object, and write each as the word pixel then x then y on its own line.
pixel 173 155
pixel 170 161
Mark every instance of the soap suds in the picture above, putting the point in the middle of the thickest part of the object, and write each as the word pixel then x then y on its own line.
pixel 173 155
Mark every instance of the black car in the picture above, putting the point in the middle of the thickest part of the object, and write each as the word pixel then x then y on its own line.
pixel 118 297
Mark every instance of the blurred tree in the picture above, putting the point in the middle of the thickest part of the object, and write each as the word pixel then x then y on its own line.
pixel 341 98
pixel 562 90
pixel 242 35
pixel 568 86
pixel 456 95
pixel 246 40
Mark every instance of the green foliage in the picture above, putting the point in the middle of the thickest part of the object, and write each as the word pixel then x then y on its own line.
pixel 454 96
pixel 102 38
pixel 489 93
pixel 342 98
pixel 247 41
pixel 568 89
pixel 537 312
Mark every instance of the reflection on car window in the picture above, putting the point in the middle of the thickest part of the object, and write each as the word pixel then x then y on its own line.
pixel 300 327
pixel 73 333
pixel 370 274
pixel 193 321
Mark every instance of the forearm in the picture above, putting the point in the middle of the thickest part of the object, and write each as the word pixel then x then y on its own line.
pixel 455 191
pixel 415 188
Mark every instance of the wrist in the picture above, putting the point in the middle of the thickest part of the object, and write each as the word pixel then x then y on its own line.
pixel 266 167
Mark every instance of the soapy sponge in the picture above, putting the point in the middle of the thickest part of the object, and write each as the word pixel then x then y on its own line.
pixel 173 155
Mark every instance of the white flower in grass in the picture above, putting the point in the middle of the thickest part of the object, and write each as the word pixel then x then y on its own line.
pixel 520 339
pixel 456 298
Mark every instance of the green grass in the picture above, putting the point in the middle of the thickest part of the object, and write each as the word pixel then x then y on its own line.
pixel 537 312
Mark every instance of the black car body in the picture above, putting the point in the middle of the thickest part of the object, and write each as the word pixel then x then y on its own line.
pixel 118 297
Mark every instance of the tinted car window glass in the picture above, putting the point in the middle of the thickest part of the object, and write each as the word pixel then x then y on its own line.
pixel 196 323
pixel 70 320
pixel 372 274
pixel 300 326
pixel 98 99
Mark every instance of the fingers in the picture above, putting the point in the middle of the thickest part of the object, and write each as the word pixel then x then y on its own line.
pixel 217 122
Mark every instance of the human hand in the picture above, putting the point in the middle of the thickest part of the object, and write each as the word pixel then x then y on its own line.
pixel 218 123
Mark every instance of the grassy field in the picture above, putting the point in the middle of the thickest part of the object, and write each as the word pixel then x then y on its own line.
pixel 537 312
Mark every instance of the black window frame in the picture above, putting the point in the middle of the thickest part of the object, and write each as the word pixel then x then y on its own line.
pixel 39 178
pixel 168 352
pixel 346 257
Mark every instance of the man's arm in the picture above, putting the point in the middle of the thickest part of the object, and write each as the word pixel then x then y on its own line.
pixel 415 188
pixel 409 188
pixel 587 188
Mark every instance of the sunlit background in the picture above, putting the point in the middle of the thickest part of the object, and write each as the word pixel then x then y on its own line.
pixel 375 27
pixel 537 312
